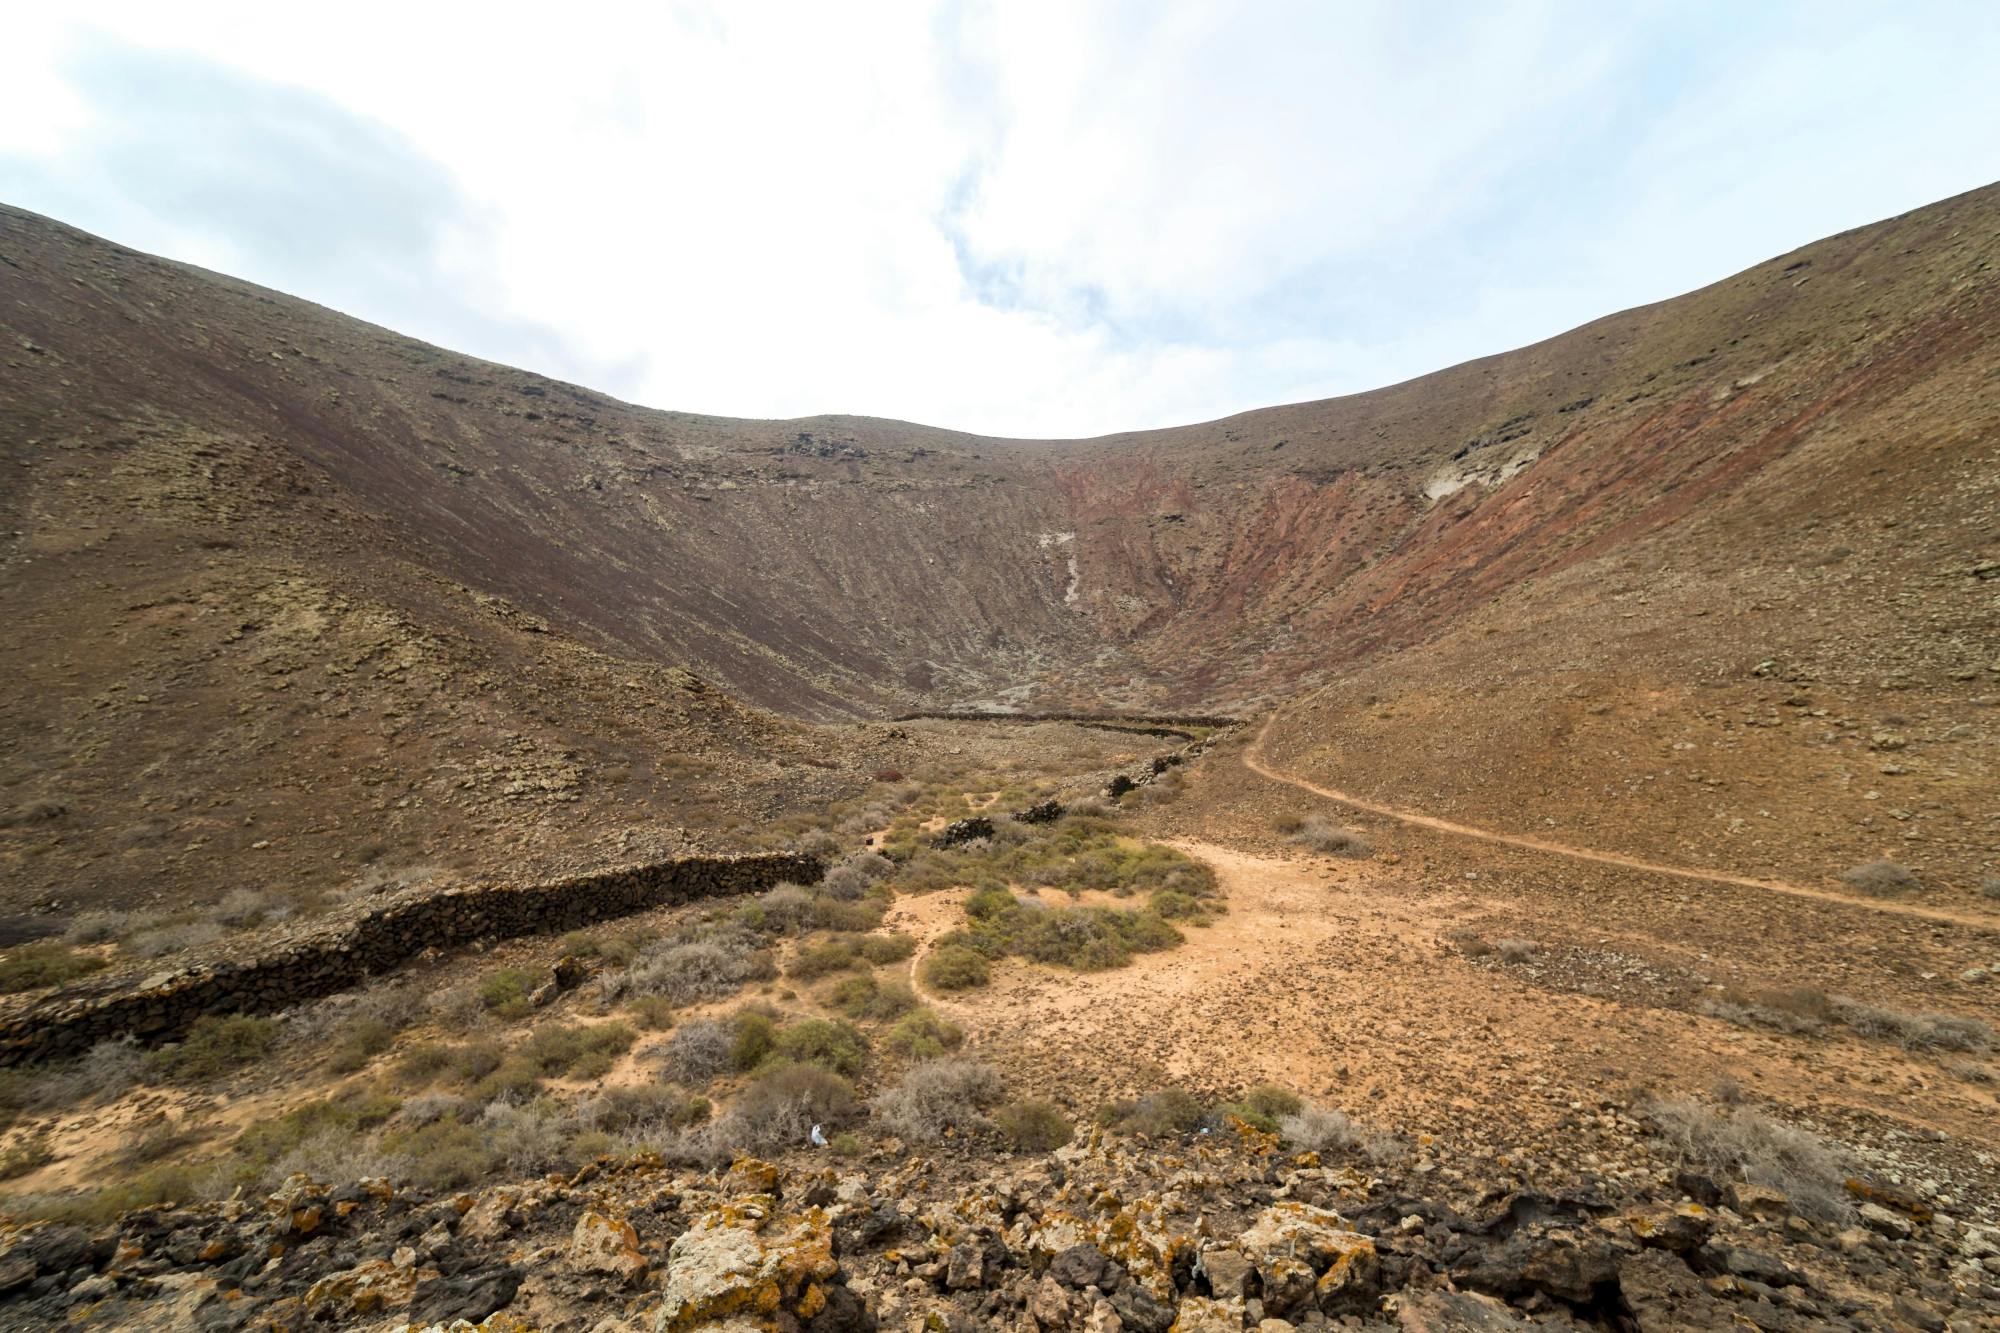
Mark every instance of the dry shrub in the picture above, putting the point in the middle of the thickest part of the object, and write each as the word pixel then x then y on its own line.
pixel 1159 1114
pixel 1792 1009
pixel 779 1109
pixel 692 971
pixel 1319 834
pixel 697 1052
pixel 1739 1141
pixel 164 940
pixel 1881 878
pixel 1805 1009
pixel 938 1096
pixel 1917 1031
pixel 98 927
pixel 1033 1125
pixel 1515 951
pixel 1990 887
pixel 1320 1129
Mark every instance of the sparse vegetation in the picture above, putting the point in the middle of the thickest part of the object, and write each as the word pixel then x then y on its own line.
pixel 215 1046
pixel 1741 1142
pixel 780 1107
pixel 954 967
pixel 1318 834
pixel 829 1043
pixel 1033 1125
pixel 937 1097
pixel 1158 1114
pixel 922 1035
pixel 1806 1009
pixel 1516 950
pixel 698 1052
pixel 34 966
pixel 1884 879
pixel 713 963
pixel 864 997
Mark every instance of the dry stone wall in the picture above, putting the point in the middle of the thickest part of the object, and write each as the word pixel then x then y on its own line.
pixel 341 954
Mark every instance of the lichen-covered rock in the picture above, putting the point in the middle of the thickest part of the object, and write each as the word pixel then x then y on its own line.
pixel 609 1245
pixel 363 1291
pixel 1203 1314
pixel 748 1258
pixel 1440 1311
pixel 1304 1254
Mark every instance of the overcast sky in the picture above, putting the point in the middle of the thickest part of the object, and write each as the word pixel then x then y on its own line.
pixel 1014 218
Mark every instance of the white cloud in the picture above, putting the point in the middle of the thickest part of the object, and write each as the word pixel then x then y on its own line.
pixel 1019 218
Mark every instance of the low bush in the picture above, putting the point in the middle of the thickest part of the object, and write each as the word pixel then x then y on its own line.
pixel 161 941
pixel 1739 1141
pixel 1881 878
pixel 922 1035
pixel 34 966
pixel 21 1158
pixel 655 1013
pixel 1515 950
pixel 1319 1129
pixel 691 971
pixel 891 947
pixel 1262 1106
pixel 97 927
pixel 556 1050
pixel 643 1109
pixel 1157 1114
pixel 837 955
pixel 780 1107
pixel 698 1052
pixel 936 1097
pixel 504 991
pixel 359 1041
pixel 955 967
pixel 864 997
pixel 1805 1009
pixel 753 1036
pixel 1318 834
pixel 215 1046
pixel 1033 1126
pixel 1990 888
pixel 829 1043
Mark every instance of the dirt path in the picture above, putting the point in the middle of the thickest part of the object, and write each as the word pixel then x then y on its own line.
pixel 1332 979
pixel 1253 759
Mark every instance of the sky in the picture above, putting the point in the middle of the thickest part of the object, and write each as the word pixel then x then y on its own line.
pixel 1018 219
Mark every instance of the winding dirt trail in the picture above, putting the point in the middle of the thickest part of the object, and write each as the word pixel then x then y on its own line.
pixel 1254 760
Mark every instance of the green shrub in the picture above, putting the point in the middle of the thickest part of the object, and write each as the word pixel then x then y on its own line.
pixel 1271 1100
pixel 21 1158
pixel 955 967
pixel 33 966
pixel 1033 1125
pixel 865 997
pixel 830 1044
pixel 358 1042
pixel 655 1013
pixel 892 947
pixel 504 990
pixel 846 1144
pixel 754 1038
pixel 555 1050
pixel 215 1046
pixel 922 1035
pixel 837 955
pixel 1168 1111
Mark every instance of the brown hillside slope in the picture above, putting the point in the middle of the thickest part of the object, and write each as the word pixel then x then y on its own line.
pixel 1582 546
